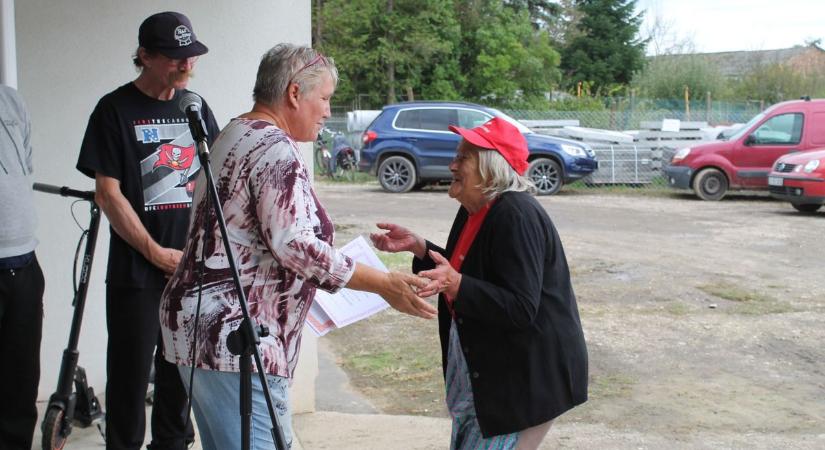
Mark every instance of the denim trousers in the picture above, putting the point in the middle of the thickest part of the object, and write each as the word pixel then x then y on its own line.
pixel 215 402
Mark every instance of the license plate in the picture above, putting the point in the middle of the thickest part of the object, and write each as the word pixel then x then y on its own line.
pixel 775 181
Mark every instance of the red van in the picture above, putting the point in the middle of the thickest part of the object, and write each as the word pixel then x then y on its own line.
pixel 745 159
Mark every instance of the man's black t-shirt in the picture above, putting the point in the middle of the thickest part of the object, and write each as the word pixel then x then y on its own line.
pixel 146 144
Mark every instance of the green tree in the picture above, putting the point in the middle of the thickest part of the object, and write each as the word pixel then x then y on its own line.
pixel 607 50
pixel 482 50
pixel 775 83
pixel 386 49
pixel 541 12
pixel 665 77
pixel 504 59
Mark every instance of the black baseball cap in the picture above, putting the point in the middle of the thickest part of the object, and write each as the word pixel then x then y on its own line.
pixel 170 34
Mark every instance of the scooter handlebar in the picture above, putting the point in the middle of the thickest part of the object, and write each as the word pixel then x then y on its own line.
pixel 64 191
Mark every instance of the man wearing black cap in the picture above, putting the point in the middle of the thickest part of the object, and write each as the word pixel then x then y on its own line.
pixel 139 149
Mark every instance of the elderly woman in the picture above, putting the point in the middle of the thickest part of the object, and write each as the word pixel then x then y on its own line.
pixel 282 240
pixel 513 351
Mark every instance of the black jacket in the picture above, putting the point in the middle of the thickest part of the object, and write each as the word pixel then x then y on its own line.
pixel 517 318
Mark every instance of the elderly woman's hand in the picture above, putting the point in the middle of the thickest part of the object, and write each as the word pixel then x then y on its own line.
pixel 442 279
pixel 398 239
pixel 400 293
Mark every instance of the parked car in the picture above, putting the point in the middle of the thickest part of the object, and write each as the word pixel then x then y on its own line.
pixel 745 159
pixel 799 178
pixel 409 145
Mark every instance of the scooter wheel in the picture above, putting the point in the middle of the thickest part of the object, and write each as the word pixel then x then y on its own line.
pixel 54 434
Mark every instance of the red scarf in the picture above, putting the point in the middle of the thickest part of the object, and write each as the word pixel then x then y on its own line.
pixel 465 241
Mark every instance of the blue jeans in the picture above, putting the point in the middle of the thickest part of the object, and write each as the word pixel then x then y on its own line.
pixel 215 401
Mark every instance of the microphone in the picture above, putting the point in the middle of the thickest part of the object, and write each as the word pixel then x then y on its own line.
pixel 190 104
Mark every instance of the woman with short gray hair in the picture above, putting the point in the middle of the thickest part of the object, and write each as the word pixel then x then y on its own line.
pixel 282 239
pixel 512 346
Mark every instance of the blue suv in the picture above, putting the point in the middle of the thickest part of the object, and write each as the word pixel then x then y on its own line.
pixel 409 145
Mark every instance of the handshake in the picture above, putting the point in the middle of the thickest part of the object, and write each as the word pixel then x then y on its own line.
pixel 406 292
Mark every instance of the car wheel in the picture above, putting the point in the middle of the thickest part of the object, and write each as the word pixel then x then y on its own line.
pixel 397 174
pixel 710 184
pixel 806 208
pixel 546 175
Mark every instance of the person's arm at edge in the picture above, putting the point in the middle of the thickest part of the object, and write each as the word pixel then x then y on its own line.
pixel 394 287
pixel 127 224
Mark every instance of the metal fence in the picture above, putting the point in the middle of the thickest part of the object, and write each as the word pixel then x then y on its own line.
pixel 638 160
pixel 623 114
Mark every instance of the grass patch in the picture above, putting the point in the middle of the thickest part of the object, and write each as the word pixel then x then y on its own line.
pixel 747 301
pixel 676 308
pixel 343 227
pixel 376 363
pixel 733 293
pixel 352 178
pixel 640 190
pixel 401 261
pixel 396 361
pixel 614 385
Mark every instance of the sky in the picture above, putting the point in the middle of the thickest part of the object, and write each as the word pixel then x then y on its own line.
pixel 731 25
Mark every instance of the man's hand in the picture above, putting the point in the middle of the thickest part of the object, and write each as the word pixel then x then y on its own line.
pixel 127 225
pixel 398 239
pixel 166 259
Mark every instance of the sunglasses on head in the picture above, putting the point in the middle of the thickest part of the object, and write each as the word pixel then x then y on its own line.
pixel 318 58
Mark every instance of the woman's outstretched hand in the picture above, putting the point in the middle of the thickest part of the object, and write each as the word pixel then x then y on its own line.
pixel 398 239
pixel 400 293
pixel 442 279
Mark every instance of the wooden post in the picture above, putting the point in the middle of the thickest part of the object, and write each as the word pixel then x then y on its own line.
pixel 579 89
pixel 687 103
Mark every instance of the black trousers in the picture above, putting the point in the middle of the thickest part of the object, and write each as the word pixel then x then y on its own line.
pixel 21 326
pixel 134 334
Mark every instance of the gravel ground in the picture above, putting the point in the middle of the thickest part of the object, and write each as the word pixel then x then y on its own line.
pixel 704 320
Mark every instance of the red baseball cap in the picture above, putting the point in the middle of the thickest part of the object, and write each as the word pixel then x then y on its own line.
pixel 499 135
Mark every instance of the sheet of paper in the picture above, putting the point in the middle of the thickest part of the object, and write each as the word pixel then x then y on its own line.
pixel 318 320
pixel 347 306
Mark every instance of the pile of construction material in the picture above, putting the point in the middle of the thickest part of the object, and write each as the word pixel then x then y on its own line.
pixel 631 157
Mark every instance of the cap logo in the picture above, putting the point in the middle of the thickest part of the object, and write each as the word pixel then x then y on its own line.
pixel 183 35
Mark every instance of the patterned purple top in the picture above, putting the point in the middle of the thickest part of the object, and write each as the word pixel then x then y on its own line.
pixel 282 240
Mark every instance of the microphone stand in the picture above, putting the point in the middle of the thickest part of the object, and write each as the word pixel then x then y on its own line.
pixel 244 340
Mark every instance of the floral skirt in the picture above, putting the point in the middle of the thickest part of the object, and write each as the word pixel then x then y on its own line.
pixel 466 433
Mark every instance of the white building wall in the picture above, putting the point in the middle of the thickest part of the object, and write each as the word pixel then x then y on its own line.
pixel 69 54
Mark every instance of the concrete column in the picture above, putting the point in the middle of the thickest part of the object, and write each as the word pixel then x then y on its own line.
pixel 8 48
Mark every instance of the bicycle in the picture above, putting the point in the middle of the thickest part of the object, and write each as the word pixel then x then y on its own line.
pixel 339 164
pixel 323 158
pixel 80 406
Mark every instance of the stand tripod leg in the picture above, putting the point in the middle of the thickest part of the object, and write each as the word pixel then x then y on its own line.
pixel 246 400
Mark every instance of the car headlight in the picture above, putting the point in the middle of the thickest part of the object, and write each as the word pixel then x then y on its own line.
pixel 811 166
pixel 681 154
pixel 574 150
